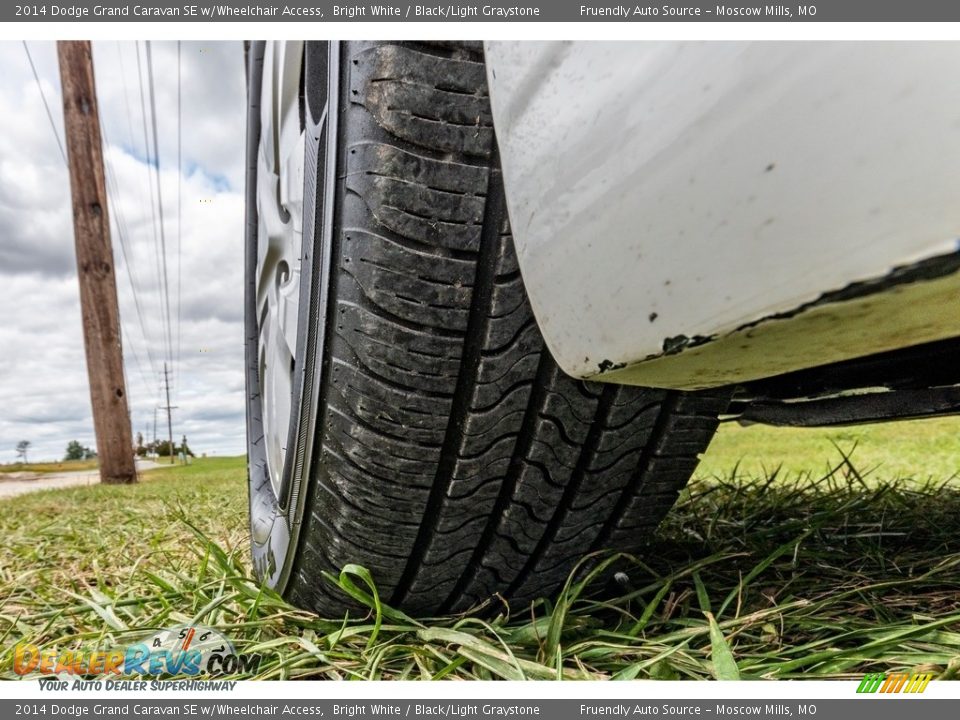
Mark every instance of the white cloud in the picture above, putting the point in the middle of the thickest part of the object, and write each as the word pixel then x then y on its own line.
pixel 43 387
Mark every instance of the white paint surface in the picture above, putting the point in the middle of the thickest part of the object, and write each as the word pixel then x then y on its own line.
pixel 715 184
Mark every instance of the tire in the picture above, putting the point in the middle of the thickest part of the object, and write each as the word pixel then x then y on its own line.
pixel 432 438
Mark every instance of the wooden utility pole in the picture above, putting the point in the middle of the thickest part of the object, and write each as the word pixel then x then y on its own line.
pixel 98 286
pixel 169 407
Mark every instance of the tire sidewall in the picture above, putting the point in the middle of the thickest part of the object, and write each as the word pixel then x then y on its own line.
pixel 275 522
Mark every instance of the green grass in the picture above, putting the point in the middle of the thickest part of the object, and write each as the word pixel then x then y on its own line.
pixel 50 467
pixel 919 450
pixel 800 576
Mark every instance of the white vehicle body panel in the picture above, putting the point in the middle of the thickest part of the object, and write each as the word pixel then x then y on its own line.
pixel 693 214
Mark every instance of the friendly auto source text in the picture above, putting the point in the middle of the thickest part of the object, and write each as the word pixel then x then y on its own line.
pixel 676 709
pixel 679 11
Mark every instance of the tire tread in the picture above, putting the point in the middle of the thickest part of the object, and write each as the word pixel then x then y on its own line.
pixel 456 459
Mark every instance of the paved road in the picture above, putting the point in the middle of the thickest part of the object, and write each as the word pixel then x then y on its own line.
pixel 39 481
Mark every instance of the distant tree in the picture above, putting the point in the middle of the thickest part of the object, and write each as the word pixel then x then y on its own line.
pixel 22 448
pixel 75 451
pixel 162 448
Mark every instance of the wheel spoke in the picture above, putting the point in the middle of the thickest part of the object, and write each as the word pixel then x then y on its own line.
pixel 280 179
pixel 275 376
pixel 291 183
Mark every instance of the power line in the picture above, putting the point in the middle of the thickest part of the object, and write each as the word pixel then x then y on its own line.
pixel 136 357
pixel 144 194
pixel 163 239
pixel 122 232
pixel 152 197
pixel 126 93
pixel 53 125
pixel 176 365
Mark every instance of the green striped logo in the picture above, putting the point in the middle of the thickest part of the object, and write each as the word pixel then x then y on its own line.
pixel 894 683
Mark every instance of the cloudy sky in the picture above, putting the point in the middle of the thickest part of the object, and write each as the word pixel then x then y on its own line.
pixel 43 385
